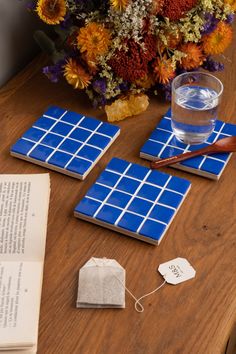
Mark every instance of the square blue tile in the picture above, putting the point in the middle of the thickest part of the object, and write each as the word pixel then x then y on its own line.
pixel 153 229
pixel 134 206
pixel 130 222
pixel 72 118
pixel 44 123
pixel 137 171
pixel 161 213
pixel 108 214
pixel 108 178
pixel 52 140
pixel 62 134
pixel 170 199
pixel 90 123
pixel 89 153
pixel 70 146
pixel 211 166
pixel 87 207
pixel 140 206
pixel 80 134
pixel 128 185
pixel 34 134
pixel 118 165
pixel 98 192
pixel 153 146
pixel 59 159
pixel 99 141
pixel 160 136
pixel 22 147
pixel 108 129
pixel 41 153
pixel 55 112
pixel 158 178
pixel 79 166
pixel 119 199
pixel 149 192
pixel 61 128
pixel 178 185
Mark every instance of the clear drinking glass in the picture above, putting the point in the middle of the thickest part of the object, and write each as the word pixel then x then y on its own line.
pixel 195 100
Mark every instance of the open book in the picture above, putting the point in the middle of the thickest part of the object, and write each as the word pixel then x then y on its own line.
pixel 24 201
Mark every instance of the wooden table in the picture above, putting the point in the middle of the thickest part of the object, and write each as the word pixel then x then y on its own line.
pixel 194 317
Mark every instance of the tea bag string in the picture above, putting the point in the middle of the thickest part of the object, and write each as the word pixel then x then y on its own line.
pixel 138 306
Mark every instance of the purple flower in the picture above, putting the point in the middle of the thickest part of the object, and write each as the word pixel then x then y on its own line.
pixel 66 23
pixel 31 5
pixel 54 72
pixel 230 19
pixel 210 23
pixel 100 86
pixel 212 65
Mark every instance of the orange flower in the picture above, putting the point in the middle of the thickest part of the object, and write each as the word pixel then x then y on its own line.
pixel 173 39
pixel 119 5
pixel 51 11
pixel 93 39
pixel 232 4
pixel 76 75
pixel 163 70
pixel 194 56
pixel 217 41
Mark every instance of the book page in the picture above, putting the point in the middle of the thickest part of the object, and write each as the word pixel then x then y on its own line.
pixel 24 203
pixel 20 292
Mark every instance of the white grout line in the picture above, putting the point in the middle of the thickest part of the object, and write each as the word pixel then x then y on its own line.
pixel 65 137
pixel 148 183
pixel 112 189
pixel 38 142
pixel 132 198
pixel 206 156
pixel 90 130
pixel 186 149
pixel 84 143
pixel 65 152
pixel 62 136
pixel 154 204
pixel 129 211
pixel 146 199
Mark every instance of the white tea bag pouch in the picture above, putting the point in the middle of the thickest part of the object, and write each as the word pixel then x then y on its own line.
pixel 101 284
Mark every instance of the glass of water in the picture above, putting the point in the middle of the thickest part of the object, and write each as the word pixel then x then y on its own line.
pixel 195 100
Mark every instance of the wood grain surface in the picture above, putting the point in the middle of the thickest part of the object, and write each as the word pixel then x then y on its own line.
pixel 193 317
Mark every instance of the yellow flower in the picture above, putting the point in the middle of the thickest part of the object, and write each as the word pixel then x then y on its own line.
pixel 194 57
pixel 119 5
pixel 163 70
pixel 51 11
pixel 76 75
pixel 217 41
pixel 93 39
pixel 232 4
pixel 146 82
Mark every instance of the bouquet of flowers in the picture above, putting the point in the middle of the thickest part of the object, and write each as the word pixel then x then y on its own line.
pixel 118 50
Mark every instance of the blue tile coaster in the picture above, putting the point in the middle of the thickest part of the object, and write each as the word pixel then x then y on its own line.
pixel 66 142
pixel 162 143
pixel 133 200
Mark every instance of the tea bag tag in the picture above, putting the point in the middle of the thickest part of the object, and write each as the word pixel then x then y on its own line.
pixel 176 271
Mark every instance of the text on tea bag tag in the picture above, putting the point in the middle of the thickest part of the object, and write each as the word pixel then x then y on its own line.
pixel 177 271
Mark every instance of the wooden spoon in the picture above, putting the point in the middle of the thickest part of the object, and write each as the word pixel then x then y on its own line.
pixel 223 145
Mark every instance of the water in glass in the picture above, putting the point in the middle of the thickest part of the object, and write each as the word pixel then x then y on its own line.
pixel 194 111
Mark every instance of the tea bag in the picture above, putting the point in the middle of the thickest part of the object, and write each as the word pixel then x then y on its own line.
pixel 101 284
